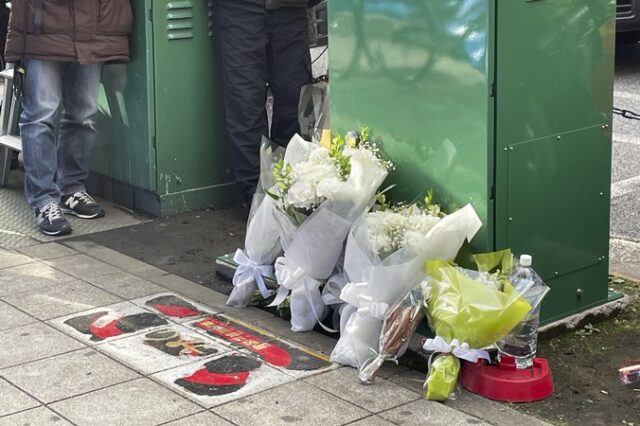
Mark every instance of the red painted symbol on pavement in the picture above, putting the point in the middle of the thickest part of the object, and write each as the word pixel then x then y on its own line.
pixel 173 306
pixel 221 376
pixel 271 353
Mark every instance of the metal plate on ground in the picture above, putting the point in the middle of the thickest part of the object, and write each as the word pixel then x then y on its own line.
pixel 18 226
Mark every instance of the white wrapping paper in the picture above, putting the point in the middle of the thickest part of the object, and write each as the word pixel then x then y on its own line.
pixel 313 248
pixel 262 241
pixel 378 283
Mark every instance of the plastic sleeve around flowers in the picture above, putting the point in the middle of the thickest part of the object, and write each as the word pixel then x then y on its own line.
pixel 378 282
pixel 313 249
pixel 262 241
pixel 400 322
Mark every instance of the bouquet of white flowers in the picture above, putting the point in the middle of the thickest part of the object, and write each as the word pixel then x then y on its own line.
pixel 262 240
pixel 384 258
pixel 320 192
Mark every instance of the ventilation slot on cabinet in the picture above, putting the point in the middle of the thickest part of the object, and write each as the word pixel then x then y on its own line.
pixel 179 20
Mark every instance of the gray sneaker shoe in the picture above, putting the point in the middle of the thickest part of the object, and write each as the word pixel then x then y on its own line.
pixel 81 204
pixel 51 221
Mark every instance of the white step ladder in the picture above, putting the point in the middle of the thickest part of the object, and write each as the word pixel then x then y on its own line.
pixel 9 142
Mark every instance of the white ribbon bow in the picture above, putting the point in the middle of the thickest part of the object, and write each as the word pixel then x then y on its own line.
pixel 373 309
pixel 455 348
pixel 293 278
pixel 248 269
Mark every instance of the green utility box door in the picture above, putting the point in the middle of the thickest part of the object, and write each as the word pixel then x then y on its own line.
pixel 502 103
pixel 161 141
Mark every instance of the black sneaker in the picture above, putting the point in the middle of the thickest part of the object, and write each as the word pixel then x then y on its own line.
pixel 51 221
pixel 81 204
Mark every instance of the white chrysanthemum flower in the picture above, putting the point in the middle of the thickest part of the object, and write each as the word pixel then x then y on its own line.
pixel 391 230
pixel 311 179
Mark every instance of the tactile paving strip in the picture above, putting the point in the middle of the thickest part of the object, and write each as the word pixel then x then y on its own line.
pixel 18 226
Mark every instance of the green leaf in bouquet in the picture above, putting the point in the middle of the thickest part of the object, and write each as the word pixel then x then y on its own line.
pixel 442 377
pixel 283 175
pixel 366 134
pixel 284 309
pixel 499 261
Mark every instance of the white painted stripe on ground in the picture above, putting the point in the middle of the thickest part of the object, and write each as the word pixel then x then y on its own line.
pixel 630 139
pixel 623 187
pixel 620 240
pixel 626 95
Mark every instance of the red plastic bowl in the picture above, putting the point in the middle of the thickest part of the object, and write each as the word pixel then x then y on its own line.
pixel 504 382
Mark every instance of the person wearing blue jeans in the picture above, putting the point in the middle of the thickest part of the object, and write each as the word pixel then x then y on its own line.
pixel 62 48
pixel 56 168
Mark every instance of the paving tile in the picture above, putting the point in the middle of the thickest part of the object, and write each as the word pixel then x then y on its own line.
pixel 409 379
pixel 9 258
pixel 82 246
pixel 200 419
pixel 47 251
pixel 126 285
pixel 494 412
pixel 64 299
pixel 32 342
pixel 30 277
pixel 11 317
pixel 380 396
pixel 261 377
pixel 82 266
pixel 162 349
pixel 13 399
pixel 37 417
pixel 108 323
pixel 173 306
pixel 124 262
pixel 67 375
pixel 374 421
pixel 297 402
pixel 139 402
pixel 204 295
pixel 419 413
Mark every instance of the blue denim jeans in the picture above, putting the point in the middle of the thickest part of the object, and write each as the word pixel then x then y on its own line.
pixel 56 161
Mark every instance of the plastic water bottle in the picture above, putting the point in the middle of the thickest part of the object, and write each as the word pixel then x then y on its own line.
pixel 522 342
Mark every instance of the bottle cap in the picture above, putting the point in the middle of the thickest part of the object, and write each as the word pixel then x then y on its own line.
pixel 525 260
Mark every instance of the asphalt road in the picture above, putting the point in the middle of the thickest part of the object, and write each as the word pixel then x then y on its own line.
pixel 625 175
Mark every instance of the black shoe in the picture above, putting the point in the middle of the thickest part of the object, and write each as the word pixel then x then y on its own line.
pixel 51 221
pixel 81 204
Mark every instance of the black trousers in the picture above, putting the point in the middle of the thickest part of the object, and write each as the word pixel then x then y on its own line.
pixel 257 47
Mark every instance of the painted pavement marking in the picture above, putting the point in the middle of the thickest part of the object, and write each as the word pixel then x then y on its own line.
pixel 177 308
pixel 108 323
pixel 291 359
pixel 223 378
pixel 163 348
pixel 209 357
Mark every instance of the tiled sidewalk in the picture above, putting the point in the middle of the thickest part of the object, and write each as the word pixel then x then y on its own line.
pixel 54 370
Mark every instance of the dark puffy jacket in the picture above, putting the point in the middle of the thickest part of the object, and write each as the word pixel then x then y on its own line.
pixel 82 31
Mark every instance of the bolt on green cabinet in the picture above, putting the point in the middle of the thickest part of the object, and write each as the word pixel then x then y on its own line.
pixel 161 142
pixel 502 103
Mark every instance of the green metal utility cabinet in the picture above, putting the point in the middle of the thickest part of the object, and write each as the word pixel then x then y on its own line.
pixel 161 143
pixel 502 103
